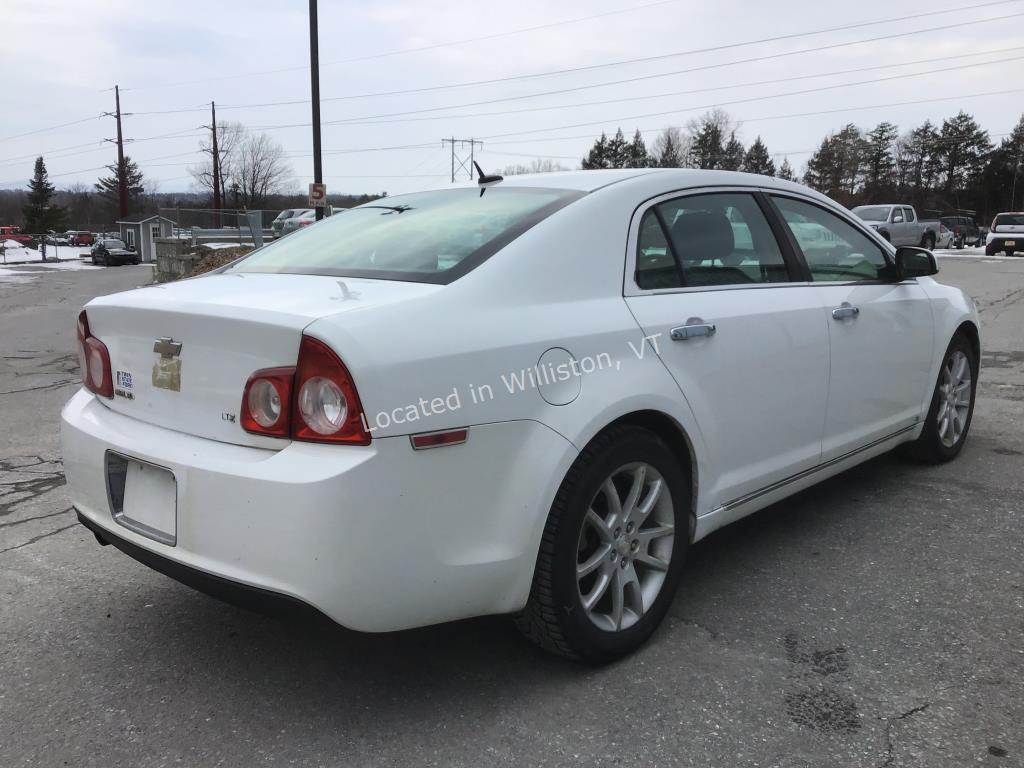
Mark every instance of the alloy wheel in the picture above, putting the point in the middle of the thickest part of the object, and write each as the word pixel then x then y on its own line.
pixel 625 546
pixel 954 398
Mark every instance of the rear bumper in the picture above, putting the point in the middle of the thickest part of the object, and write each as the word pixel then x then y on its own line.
pixel 234 592
pixel 376 537
pixel 997 244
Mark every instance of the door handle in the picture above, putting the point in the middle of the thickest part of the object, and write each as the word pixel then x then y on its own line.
pixel 692 331
pixel 844 311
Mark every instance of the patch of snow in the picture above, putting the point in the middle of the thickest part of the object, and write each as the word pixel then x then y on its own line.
pixel 12 276
pixel 73 265
pixel 218 246
pixel 16 253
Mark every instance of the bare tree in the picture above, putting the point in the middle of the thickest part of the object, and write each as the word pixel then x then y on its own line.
pixel 260 169
pixel 670 148
pixel 537 165
pixel 230 137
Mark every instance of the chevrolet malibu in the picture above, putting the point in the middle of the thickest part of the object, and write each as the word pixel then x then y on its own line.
pixel 529 396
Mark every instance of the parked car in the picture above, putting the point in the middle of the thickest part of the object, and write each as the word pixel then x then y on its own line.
pixel 944 238
pixel 77 237
pixel 10 232
pixel 278 223
pixel 110 252
pixel 56 238
pixel 301 219
pixel 900 225
pixel 526 397
pixel 1006 234
pixel 965 230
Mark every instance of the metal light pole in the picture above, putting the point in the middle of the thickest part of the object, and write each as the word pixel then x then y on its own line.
pixel 314 82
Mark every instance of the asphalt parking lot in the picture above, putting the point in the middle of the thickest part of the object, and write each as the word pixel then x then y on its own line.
pixel 876 620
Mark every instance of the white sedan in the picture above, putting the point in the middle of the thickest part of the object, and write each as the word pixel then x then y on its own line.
pixel 526 397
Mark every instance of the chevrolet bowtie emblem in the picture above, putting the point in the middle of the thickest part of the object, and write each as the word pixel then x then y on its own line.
pixel 167 347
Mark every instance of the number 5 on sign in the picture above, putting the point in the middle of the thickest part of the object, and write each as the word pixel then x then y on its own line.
pixel 317 195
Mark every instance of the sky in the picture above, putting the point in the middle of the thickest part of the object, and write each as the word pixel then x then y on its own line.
pixel 60 59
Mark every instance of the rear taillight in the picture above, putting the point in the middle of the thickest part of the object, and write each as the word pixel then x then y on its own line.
pixel 326 406
pixel 316 401
pixel 94 360
pixel 267 402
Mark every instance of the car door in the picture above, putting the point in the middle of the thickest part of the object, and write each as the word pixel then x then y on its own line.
pixel 912 231
pixel 880 329
pixel 897 226
pixel 746 343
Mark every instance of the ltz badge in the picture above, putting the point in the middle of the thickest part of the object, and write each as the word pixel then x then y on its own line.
pixel 167 370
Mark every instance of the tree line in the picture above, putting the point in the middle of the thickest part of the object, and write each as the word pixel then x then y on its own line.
pixel 948 167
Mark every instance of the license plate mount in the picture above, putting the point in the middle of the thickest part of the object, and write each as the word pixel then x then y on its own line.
pixel 143 497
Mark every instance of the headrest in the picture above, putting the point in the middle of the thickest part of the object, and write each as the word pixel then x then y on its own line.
pixel 699 235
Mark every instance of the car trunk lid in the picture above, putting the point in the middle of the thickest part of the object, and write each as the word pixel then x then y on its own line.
pixel 181 353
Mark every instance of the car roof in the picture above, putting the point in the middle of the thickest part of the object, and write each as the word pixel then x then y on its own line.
pixel 677 178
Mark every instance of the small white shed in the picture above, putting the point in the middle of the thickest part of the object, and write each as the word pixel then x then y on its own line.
pixel 142 234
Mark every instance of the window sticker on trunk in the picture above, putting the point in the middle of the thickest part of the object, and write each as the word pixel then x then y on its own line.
pixel 123 385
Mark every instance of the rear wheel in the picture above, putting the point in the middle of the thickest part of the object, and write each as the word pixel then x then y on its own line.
pixel 928 241
pixel 952 407
pixel 612 550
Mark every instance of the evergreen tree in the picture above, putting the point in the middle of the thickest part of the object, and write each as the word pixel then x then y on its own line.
pixel 786 171
pixel 757 159
pixel 963 148
pixel 636 152
pixel 836 167
pixel 706 150
pixel 41 215
pixel 107 188
pixel 1001 184
pixel 597 157
pixel 732 155
pixel 618 150
pixel 880 164
pixel 668 149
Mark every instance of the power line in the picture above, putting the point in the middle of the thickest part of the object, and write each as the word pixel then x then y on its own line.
pixel 51 128
pixel 433 46
pixel 688 70
pixel 375 121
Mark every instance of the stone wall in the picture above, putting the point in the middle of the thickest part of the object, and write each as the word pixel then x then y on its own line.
pixel 172 261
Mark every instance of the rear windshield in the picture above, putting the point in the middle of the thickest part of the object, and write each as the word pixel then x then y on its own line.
pixel 1009 220
pixel 427 237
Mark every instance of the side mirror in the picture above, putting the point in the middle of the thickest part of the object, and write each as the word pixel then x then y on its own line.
pixel 912 261
pixel 897 218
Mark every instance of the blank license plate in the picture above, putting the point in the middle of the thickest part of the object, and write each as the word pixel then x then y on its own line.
pixel 144 498
pixel 1010 243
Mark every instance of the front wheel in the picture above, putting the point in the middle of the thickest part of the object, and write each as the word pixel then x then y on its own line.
pixel 613 548
pixel 952 407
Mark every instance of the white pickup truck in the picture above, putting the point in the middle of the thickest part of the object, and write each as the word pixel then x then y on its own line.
pixel 899 224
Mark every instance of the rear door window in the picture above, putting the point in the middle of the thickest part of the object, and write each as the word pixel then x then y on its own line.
pixel 708 240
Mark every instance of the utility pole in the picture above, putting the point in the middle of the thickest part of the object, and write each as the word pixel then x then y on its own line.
pixel 465 162
pixel 122 174
pixel 314 82
pixel 216 165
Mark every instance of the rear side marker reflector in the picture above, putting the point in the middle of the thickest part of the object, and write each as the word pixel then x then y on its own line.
pixel 438 439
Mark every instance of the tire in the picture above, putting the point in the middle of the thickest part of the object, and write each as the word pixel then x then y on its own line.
pixel 107 261
pixel 990 251
pixel 555 616
pixel 935 446
pixel 928 241
pixel 95 263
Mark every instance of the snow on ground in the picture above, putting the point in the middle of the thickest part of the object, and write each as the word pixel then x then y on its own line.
pixel 74 264
pixel 972 253
pixel 16 253
pixel 14 276
pixel 218 246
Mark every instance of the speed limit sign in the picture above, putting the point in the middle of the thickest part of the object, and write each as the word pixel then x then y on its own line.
pixel 317 195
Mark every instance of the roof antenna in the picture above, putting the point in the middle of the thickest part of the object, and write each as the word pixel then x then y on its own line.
pixel 483 177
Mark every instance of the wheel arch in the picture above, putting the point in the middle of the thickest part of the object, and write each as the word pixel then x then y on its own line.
pixel 969 329
pixel 678 441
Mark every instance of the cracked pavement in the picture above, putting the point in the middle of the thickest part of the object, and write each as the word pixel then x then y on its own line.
pixel 875 620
